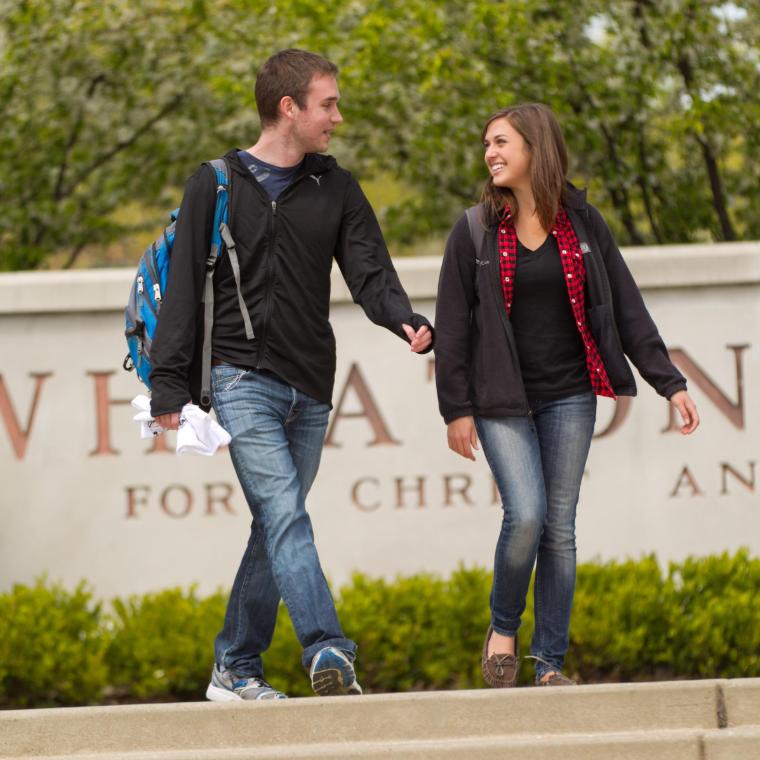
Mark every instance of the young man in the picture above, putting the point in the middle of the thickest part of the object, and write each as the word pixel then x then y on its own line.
pixel 292 211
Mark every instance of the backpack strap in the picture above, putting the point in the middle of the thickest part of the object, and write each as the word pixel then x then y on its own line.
pixel 477 230
pixel 220 236
pixel 235 264
pixel 221 225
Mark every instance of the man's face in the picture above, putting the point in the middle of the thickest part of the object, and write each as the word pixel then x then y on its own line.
pixel 314 124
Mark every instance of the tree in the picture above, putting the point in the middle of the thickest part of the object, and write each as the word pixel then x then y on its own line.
pixel 104 104
pixel 669 152
pixel 100 105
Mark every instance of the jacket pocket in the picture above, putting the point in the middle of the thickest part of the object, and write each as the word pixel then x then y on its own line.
pixel 605 334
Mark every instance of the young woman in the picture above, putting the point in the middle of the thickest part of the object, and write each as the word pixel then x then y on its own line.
pixel 536 309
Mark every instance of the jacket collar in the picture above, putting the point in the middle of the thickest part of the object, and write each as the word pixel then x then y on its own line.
pixel 575 197
pixel 314 163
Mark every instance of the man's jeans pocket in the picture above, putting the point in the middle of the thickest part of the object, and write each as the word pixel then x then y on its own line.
pixel 225 377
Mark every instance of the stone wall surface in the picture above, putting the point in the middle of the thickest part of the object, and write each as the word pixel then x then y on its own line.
pixel 83 497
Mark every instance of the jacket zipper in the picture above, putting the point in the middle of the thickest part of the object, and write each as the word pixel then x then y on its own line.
pixel 269 280
pixel 268 285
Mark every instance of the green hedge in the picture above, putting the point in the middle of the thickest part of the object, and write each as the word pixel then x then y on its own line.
pixel 52 646
pixel 631 621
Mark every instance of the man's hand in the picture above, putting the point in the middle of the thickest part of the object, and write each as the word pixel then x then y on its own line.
pixel 463 437
pixel 681 400
pixel 168 421
pixel 420 340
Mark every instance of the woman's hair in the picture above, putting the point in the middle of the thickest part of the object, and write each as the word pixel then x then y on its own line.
pixel 540 129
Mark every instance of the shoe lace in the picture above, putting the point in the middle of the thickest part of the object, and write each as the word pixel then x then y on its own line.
pixel 541 660
pixel 557 673
pixel 501 660
pixel 253 682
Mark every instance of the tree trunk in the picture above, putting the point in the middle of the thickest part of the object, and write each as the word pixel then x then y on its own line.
pixel 646 189
pixel 617 190
pixel 716 187
pixel 711 162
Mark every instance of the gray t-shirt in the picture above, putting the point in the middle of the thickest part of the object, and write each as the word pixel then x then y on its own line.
pixel 274 179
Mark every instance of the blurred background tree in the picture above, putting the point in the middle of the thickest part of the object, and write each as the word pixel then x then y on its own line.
pixel 107 106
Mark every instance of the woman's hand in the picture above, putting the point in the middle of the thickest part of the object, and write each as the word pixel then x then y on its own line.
pixel 681 400
pixel 420 340
pixel 463 437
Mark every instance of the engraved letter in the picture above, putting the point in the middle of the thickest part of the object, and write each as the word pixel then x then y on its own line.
pixel 686 479
pixel 159 445
pixel 419 489
pixel 135 500
pixel 622 407
pixel 748 483
pixel 20 438
pixel 355 498
pixel 369 410
pixel 184 508
pixel 734 412
pixel 218 498
pixel 449 489
pixel 102 404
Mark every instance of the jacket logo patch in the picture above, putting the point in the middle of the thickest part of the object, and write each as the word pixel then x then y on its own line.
pixel 481 263
pixel 585 247
pixel 316 179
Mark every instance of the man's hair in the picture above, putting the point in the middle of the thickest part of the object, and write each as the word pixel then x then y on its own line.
pixel 288 72
pixel 540 129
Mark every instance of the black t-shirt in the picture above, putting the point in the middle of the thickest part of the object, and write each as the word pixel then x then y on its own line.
pixel 274 179
pixel 552 356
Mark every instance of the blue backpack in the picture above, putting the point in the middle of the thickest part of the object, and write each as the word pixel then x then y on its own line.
pixel 144 306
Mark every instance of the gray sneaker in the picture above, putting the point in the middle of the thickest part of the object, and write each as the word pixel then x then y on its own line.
pixel 332 672
pixel 225 686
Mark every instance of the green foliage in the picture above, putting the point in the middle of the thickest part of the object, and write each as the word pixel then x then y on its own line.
pixel 621 621
pixel 111 103
pixel 429 615
pixel 631 621
pixel 699 620
pixel 161 643
pixel 52 645
pixel 100 104
pixel 717 629
pixel 643 91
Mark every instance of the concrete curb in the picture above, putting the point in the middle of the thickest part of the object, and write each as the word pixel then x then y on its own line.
pixel 667 719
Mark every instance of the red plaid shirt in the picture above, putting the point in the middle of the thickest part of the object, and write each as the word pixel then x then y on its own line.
pixel 575 277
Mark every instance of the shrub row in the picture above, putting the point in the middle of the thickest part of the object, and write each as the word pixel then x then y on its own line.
pixel 632 620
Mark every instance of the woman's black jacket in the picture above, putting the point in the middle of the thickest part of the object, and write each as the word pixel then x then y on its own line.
pixel 477 367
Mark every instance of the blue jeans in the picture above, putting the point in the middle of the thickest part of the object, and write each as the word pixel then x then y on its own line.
pixel 538 464
pixel 277 436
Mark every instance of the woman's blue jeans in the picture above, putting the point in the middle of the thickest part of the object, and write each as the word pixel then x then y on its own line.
pixel 538 463
pixel 277 436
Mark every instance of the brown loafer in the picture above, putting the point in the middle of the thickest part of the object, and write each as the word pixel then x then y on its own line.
pixel 499 670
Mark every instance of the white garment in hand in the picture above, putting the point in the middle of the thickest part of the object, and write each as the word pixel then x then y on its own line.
pixel 197 434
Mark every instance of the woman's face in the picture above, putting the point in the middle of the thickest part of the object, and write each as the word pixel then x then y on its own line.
pixel 507 155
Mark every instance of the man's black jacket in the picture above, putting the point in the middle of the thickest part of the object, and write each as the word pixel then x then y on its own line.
pixel 286 250
pixel 477 367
